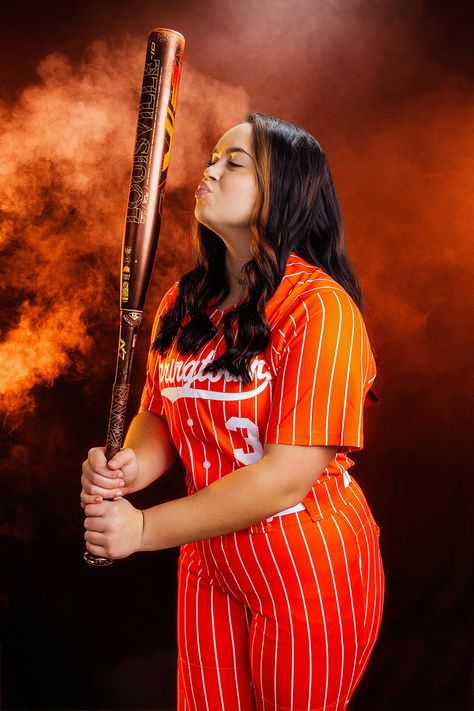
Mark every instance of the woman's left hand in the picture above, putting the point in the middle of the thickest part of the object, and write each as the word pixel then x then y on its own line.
pixel 113 528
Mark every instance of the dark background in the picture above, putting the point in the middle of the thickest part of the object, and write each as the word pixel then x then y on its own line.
pixel 386 88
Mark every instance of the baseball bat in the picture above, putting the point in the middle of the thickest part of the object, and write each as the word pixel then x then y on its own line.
pixel 156 114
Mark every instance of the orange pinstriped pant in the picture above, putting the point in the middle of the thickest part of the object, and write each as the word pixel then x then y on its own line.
pixel 282 616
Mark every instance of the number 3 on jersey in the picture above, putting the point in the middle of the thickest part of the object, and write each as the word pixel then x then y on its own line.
pixel 252 440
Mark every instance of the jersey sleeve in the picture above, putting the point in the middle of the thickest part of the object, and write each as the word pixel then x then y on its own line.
pixel 151 399
pixel 324 371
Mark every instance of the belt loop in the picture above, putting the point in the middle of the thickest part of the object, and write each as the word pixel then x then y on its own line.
pixel 311 507
pixel 261 527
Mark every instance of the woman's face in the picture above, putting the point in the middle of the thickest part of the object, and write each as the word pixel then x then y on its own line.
pixel 226 196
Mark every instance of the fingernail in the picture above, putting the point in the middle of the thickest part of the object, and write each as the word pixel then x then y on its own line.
pixel 98 499
pixel 118 493
pixel 122 483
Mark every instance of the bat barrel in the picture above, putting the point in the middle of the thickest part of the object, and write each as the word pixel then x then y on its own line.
pixel 154 136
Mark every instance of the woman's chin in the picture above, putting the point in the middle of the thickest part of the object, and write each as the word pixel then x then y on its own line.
pixel 199 213
pixel 200 216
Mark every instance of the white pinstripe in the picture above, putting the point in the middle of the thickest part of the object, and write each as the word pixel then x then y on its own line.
pixel 233 652
pixel 218 448
pixel 368 579
pixel 362 662
pixel 307 620
pixel 249 605
pixel 203 440
pixel 295 332
pixel 217 441
pixel 215 647
pixel 375 583
pixel 379 621
pixel 264 637
pixel 322 612
pixel 363 382
pixel 348 368
pixel 329 496
pixel 281 400
pixel 299 371
pixel 247 613
pixel 319 507
pixel 358 548
pixel 236 581
pixel 195 400
pixel 197 638
pixel 337 605
pixel 267 540
pixel 229 432
pixel 276 623
pixel 352 605
pixel 153 338
pixel 185 635
pixel 183 431
pixel 273 367
pixel 316 372
pixel 154 371
pixel 337 487
pixel 332 371
pixel 369 636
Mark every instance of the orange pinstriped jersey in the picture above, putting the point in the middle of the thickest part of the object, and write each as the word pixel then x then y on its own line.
pixel 309 385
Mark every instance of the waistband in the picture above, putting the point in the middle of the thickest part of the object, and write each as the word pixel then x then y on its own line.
pixel 323 499
pixel 296 507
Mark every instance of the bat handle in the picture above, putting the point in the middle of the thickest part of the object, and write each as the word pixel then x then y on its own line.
pixel 118 411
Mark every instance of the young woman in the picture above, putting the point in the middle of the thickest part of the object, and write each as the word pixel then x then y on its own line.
pixel 257 378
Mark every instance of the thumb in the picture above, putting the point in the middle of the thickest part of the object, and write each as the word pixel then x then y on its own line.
pixel 122 458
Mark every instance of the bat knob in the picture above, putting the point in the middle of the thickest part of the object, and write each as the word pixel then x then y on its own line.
pixel 97 560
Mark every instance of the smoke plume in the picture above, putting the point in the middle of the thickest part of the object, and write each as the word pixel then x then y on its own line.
pixel 67 147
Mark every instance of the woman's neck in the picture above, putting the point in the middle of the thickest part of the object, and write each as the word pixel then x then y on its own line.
pixel 236 278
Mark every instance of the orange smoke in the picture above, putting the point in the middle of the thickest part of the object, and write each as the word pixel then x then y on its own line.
pixel 66 159
pixel 404 189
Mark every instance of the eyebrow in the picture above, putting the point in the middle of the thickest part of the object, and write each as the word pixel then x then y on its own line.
pixel 234 149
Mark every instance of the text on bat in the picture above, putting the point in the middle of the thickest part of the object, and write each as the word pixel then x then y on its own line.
pixel 138 197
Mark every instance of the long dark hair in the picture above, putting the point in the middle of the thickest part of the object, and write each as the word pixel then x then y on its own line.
pixel 297 210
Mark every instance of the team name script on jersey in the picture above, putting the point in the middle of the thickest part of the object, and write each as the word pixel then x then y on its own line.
pixel 190 372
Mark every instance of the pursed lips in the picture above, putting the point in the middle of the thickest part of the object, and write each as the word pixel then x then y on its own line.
pixel 201 190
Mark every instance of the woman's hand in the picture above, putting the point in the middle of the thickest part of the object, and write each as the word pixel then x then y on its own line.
pixel 107 480
pixel 113 528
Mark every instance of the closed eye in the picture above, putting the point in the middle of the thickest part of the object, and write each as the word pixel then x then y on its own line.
pixel 229 162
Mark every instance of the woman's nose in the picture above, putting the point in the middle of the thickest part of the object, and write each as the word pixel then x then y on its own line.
pixel 213 171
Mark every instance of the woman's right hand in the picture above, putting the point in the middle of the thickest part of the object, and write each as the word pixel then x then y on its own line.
pixel 107 480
